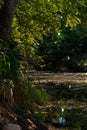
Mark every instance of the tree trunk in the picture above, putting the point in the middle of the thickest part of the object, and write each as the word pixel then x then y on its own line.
pixel 6 16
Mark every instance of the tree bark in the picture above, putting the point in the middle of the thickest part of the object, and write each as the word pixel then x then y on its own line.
pixel 6 16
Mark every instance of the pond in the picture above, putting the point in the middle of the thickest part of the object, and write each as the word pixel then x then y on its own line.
pixel 68 94
pixel 69 102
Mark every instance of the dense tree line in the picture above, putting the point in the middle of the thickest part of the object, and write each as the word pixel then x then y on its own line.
pixel 64 51
pixel 43 23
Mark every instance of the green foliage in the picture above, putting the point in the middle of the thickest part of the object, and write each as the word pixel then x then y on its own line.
pixel 29 95
pixel 8 62
pixel 4 63
pixel 48 34
pixel 33 26
pixel 66 48
pixel 33 23
pixel 49 49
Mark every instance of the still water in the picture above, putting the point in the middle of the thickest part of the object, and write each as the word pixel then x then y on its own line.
pixel 69 104
pixel 68 92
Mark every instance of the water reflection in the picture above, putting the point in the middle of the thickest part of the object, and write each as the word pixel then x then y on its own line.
pixel 70 103
pixel 68 92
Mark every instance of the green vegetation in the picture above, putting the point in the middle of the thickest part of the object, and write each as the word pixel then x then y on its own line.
pixel 29 96
pixel 66 50
pixel 48 35
pixel 52 35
